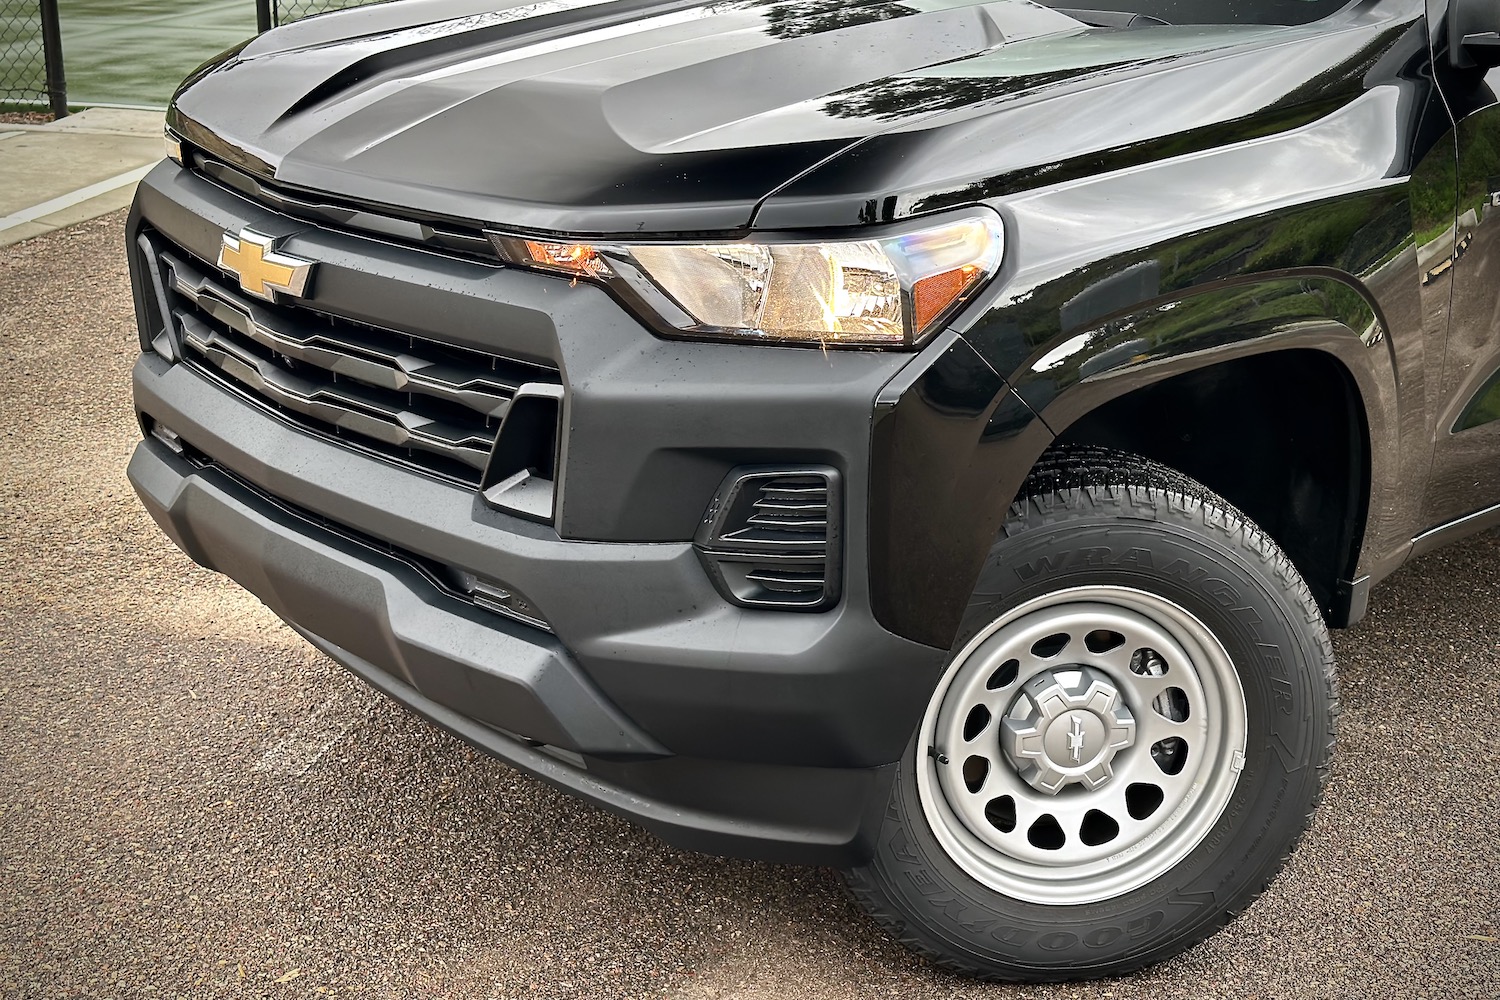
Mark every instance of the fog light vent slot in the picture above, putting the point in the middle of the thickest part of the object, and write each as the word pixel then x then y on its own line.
pixel 771 539
pixel 790 579
pixel 786 509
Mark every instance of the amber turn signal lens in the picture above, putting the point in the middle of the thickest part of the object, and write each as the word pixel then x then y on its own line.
pixel 931 296
pixel 574 258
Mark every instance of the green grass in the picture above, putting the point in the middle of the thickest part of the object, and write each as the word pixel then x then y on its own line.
pixel 137 51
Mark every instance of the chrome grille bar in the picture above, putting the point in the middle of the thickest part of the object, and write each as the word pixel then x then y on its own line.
pixel 341 405
pixel 423 403
pixel 388 368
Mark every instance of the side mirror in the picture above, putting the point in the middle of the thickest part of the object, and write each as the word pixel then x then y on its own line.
pixel 1474 34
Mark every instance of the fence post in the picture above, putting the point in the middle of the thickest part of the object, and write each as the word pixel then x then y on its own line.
pixel 263 19
pixel 52 52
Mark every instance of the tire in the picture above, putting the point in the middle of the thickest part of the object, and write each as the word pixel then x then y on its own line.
pixel 1122 607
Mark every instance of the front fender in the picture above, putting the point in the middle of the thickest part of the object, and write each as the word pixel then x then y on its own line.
pixel 1249 315
pixel 955 440
pixel 1307 239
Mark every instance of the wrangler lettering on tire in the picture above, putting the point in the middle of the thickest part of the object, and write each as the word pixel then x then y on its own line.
pixel 1129 739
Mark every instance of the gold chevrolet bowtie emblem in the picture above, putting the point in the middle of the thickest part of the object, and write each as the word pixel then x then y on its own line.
pixel 262 269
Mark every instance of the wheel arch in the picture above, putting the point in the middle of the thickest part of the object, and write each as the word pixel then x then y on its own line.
pixel 1283 436
pixel 1304 356
pixel 1261 389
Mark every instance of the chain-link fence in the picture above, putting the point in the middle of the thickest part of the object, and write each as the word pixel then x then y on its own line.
pixel 30 46
pixel 282 11
pixel 31 51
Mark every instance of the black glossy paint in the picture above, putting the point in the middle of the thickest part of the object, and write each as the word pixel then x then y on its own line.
pixel 579 117
pixel 1276 215
pixel 1306 202
pixel 1465 472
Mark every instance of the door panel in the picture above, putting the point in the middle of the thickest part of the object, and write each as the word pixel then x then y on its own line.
pixel 1466 453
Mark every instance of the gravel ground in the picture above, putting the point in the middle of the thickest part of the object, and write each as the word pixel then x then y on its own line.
pixel 194 804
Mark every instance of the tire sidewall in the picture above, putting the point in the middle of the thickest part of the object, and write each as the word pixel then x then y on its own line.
pixel 1213 564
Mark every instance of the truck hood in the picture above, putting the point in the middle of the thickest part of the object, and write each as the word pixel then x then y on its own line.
pixel 600 117
pixel 571 115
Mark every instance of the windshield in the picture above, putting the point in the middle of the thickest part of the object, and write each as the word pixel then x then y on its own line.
pixel 1209 11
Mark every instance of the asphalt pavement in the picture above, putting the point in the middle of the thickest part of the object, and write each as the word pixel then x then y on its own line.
pixel 193 803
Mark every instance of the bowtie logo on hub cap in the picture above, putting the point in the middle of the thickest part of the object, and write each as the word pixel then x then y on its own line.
pixel 1065 727
pixel 262 270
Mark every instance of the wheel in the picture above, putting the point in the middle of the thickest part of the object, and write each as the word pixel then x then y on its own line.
pixel 1127 744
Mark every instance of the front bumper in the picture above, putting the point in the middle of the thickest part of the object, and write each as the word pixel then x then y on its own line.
pixel 490 681
pixel 724 729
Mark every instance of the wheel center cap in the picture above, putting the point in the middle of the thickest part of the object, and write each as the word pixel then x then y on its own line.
pixel 1065 727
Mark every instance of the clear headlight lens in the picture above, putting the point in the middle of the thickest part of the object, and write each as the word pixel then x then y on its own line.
pixel 792 291
pixel 888 292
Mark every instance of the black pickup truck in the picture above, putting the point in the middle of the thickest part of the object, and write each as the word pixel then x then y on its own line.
pixel 930 438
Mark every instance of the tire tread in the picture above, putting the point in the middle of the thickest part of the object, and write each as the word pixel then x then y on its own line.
pixel 1067 479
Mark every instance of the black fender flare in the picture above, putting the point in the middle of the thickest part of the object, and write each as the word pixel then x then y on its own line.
pixel 955 440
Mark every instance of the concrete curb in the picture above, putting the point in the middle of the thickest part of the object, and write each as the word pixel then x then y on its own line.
pixel 69 171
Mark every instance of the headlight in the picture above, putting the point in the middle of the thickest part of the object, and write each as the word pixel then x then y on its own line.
pixel 887 292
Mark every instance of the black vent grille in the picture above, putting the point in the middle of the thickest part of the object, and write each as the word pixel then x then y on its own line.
pixel 437 407
pixel 790 508
pixel 771 538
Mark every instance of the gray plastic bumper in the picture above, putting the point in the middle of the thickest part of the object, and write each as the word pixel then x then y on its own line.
pixel 502 687
pixel 353 607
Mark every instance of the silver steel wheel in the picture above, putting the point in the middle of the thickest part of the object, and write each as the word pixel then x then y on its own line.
pixel 1081 745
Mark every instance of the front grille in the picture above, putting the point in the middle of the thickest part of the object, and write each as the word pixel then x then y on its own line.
pixel 771 539
pixel 434 406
